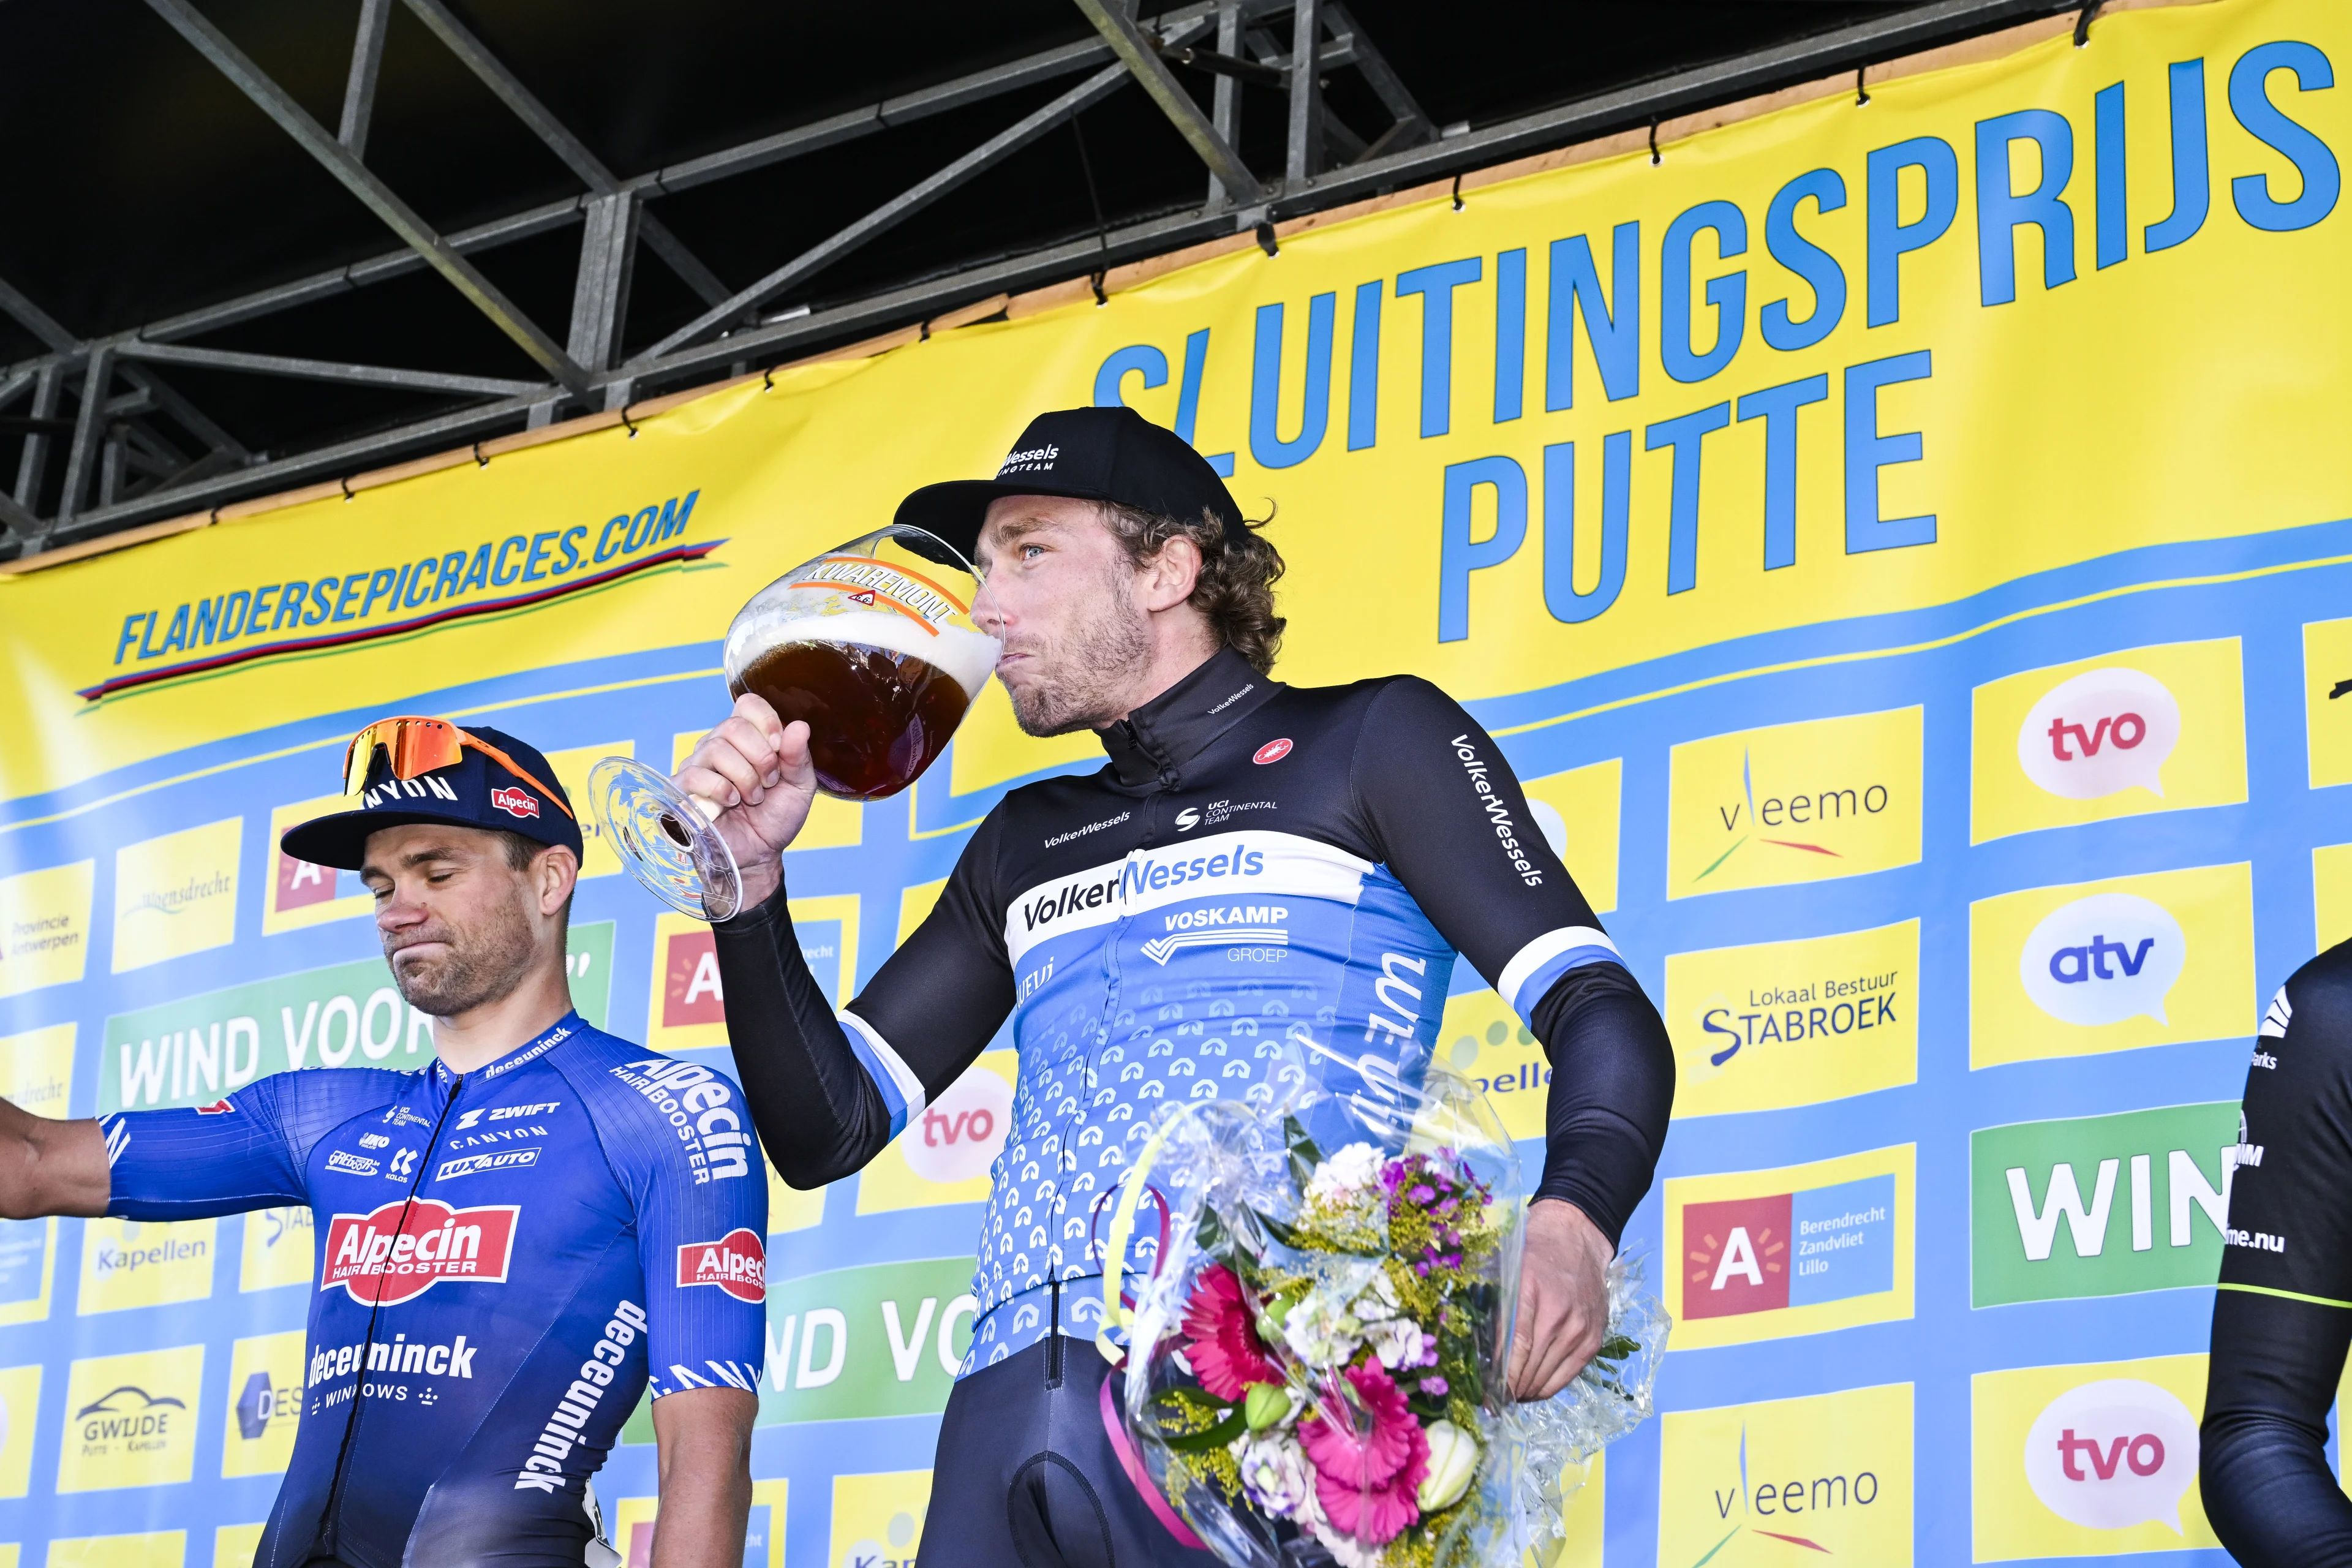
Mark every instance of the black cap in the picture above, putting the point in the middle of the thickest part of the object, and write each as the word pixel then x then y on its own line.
pixel 476 790
pixel 1092 453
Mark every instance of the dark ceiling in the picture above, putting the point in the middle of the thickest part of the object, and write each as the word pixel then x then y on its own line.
pixel 145 184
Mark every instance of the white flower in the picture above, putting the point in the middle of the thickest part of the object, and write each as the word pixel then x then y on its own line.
pixel 1275 1475
pixel 1453 1461
pixel 1346 1550
pixel 1399 1342
pixel 1379 1300
pixel 1321 1332
pixel 1347 1176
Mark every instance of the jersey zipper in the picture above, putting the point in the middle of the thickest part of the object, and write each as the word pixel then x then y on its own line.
pixel 331 1524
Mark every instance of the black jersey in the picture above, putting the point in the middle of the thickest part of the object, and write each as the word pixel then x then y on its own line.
pixel 1264 881
pixel 2283 1316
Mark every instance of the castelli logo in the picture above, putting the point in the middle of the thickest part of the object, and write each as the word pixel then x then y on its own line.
pixel 514 802
pixel 737 1263
pixel 1272 752
pixel 407 1247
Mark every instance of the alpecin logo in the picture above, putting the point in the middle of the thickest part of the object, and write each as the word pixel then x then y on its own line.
pixel 383 1258
pixel 515 801
pixel 737 1263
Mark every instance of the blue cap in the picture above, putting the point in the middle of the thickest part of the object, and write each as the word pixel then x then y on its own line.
pixel 476 790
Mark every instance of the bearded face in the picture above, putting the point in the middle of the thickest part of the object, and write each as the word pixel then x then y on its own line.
pixel 459 923
pixel 1077 668
pixel 1063 592
pixel 450 965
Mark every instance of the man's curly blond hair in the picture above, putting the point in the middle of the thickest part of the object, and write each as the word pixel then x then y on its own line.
pixel 1235 588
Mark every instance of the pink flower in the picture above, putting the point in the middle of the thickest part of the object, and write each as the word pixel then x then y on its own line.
pixel 1366 1480
pixel 1224 1350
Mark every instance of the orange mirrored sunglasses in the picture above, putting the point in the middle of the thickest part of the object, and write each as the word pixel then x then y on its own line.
pixel 416 746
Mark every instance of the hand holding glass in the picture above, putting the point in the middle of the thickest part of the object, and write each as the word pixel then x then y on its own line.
pixel 878 645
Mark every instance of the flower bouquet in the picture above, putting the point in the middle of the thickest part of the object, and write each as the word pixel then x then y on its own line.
pixel 1316 1363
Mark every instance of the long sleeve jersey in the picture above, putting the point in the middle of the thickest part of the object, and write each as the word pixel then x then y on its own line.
pixel 1264 881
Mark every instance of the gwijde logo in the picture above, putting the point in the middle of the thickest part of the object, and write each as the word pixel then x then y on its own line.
pixel 2103 731
pixel 2103 959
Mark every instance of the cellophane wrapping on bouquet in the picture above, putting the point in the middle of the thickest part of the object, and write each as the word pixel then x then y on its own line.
pixel 1317 1364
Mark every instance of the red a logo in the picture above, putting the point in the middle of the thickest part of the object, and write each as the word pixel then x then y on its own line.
pixel 737 1263
pixel 1736 1256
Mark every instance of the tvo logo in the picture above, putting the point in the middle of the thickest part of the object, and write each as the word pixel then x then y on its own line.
pixel 2103 959
pixel 2112 1453
pixel 2101 732
pixel 957 1136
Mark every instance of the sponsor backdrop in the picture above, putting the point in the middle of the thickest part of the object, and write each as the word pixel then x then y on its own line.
pixel 1906 545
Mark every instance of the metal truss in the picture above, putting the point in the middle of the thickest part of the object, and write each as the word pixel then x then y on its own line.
pixel 104 408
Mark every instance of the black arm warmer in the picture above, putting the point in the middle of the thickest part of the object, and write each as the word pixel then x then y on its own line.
pixel 2262 1459
pixel 819 1115
pixel 1612 1091
pixel 2283 1316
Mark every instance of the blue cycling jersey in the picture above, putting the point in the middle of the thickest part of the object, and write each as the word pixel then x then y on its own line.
pixel 1267 886
pixel 507 1260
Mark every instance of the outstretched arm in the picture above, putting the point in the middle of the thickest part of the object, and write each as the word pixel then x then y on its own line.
pixel 704 1438
pixel 49 1167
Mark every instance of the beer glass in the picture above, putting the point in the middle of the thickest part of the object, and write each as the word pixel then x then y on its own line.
pixel 879 644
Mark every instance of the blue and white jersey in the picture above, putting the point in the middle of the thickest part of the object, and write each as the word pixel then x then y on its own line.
pixel 1266 884
pixel 506 1261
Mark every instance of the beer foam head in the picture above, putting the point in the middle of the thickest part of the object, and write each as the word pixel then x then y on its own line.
pixel 964 656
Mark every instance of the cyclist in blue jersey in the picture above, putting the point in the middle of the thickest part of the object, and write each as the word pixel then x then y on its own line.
pixel 513 1244
pixel 1263 881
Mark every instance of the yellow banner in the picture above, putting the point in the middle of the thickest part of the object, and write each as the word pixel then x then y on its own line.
pixel 1832 361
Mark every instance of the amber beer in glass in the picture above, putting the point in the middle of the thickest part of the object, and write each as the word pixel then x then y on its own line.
pixel 875 649
pixel 879 646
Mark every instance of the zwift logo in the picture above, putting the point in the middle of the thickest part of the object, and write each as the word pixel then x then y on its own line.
pixel 2103 959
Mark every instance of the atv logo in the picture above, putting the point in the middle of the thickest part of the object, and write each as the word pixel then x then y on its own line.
pixel 737 1263
pixel 515 801
pixel 2103 959
pixel 405 1248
